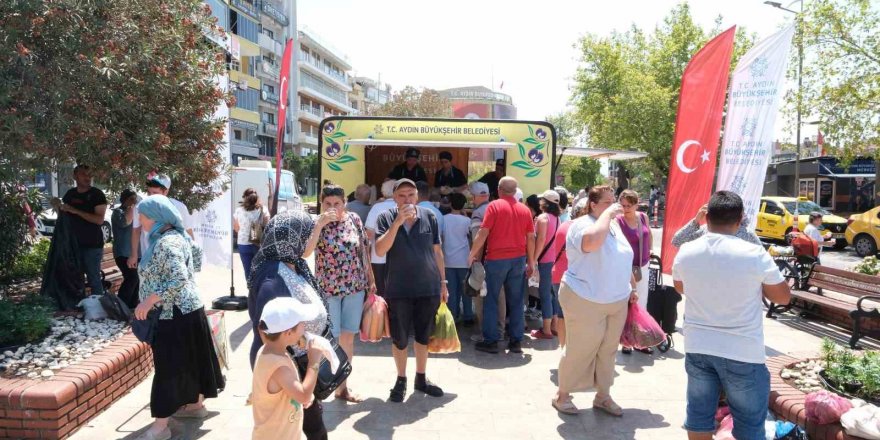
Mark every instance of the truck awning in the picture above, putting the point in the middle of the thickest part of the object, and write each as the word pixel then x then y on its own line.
pixel 599 153
pixel 848 176
pixel 429 144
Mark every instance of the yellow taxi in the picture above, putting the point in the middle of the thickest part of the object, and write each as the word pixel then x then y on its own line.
pixel 864 232
pixel 776 219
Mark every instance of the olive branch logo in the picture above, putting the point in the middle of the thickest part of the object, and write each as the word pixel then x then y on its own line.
pixel 536 142
pixel 333 153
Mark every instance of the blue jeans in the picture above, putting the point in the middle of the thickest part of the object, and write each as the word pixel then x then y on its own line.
pixel 549 302
pixel 509 273
pixel 345 313
pixel 556 306
pixel 456 278
pixel 90 260
pixel 247 252
pixel 747 387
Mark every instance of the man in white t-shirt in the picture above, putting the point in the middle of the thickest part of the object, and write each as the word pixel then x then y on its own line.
pixel 723 279
pixel 156 184
pixel 812 231
pixel 371 226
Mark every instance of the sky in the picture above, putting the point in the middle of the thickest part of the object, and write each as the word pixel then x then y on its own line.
pixel 527 45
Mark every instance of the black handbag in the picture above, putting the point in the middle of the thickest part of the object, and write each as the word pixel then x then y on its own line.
pixel 327 381
pixel 115 308
pixel 145 329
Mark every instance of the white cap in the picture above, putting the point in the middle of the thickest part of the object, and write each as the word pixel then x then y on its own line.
pixel 285 313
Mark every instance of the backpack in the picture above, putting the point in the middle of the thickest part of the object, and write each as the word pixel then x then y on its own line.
pixel 803 245
pixel 256 235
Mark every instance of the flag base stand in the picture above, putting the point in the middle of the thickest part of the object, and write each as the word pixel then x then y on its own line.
pixel 230 302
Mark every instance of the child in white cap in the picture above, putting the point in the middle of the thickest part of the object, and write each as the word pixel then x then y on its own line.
pixel 279 395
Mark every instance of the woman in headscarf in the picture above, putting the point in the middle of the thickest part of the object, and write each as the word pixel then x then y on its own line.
pixel 279 269
pixel 186 367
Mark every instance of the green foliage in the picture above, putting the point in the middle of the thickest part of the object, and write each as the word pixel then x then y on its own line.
pixel 28 265
pixel 868 266
pixel 627 88
pixel 13 223
pixel 303 167
pixel 125 86
pixel 841 77
pixel 845 368
pixel 579 172
pixel 415 103
pixel 24 322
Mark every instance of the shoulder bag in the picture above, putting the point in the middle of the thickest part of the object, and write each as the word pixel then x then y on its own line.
pixel 552 239
pixel 145 329
pixel 256 234
pixel 637 269
pixel 327 381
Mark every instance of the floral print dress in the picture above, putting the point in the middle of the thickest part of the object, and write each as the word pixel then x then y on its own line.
pixel 169 274
pixel 339 257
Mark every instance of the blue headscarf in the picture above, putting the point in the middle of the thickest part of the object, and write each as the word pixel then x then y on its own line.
pixel 159 209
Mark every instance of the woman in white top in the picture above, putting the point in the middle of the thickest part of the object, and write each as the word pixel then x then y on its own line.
pixel 250 213
pixel 594 294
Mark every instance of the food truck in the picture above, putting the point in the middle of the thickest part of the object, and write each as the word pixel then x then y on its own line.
pixel 357 150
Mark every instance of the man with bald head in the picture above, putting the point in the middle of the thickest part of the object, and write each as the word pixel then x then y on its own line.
pixel 508 233
pixel 361 203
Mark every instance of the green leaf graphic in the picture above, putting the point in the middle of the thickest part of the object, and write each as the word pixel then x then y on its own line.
pixel 345 148
pixel 346 159
pixel 531 131
pixel 539 147
pixel 337 135
pixel 521 164
pixel 533 173
pixel 334 167
pixel 522 151
pixel 532 141
pixel 328 140
pixel 339 125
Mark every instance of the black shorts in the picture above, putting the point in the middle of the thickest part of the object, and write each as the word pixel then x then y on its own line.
pixel 379 275
pixel 416 314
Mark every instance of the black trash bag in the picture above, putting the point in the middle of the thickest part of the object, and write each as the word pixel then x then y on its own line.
pixel 63 278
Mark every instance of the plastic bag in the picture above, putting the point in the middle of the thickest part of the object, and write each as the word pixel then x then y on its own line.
pixel 445 336
pixel 93 308
pixel 641 330
pixel 823 407
pixel 375 323
pixel 862 421
pixel 725 429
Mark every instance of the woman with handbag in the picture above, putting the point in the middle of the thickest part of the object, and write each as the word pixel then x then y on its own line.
pixel 595 293
pixel 279 269
pixel 635 227
pixel 546 225
pixel 186 367
pixel 249 221
pixel 344 273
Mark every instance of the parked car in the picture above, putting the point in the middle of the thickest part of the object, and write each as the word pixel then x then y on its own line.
pixel 864 232
pixel 777 214
pixel 46 223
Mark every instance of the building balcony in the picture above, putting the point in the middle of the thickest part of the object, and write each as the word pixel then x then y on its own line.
pixel 310 114
pixel 337 102
pixel 275 13
pixel 268 129
pixel 308 138
pixel 266 42
pixel 269 71
pixel 312 65
pixel 244 148
pixel 244 80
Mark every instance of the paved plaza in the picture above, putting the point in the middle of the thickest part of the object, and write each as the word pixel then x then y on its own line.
pixel 502 396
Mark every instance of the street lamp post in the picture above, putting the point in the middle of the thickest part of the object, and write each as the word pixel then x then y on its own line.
pixel 800 47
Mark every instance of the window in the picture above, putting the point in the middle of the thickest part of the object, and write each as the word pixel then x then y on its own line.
pixel 269 88
pixel 246 99
pixel 773 209
pixel 269 33
pixel 269 118
pixel 237 134
pixel 243 26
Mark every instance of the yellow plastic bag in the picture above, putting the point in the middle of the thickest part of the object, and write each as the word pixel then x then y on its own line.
pixel 445 336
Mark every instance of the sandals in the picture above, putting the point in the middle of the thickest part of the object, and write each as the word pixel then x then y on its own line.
pixel 398 392
pixel 566 407
pixel 608 406
pixel 349 397
pixel 198 413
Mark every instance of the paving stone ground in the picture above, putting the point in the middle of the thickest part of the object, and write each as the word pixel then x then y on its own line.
pixel 504 396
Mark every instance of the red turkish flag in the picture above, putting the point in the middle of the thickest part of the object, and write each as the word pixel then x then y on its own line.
pixel 697 133
pixel 282 117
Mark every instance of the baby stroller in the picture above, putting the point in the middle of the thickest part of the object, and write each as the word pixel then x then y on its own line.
pixel 662 302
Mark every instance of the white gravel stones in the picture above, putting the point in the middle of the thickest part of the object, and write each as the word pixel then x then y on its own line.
pixel 69 341
pixel 805 375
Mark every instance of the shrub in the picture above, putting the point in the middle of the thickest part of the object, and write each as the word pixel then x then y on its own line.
pixel 868 266
pixel 845 368
pixel 24 322
pixel 29 264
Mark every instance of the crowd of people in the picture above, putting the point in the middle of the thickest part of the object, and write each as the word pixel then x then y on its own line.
pixel 577 266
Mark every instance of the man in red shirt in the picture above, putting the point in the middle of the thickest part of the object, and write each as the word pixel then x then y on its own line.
pixel 509 234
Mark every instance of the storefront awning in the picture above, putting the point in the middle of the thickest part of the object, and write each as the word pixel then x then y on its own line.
pixel 600 153
pixel 428 144
pixel 848 176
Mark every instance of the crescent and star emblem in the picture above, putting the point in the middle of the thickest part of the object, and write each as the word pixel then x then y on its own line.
pixel 679 156
pixel 282 97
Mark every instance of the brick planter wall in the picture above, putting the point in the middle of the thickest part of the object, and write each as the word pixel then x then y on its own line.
pixel 56 408
pixel 787 403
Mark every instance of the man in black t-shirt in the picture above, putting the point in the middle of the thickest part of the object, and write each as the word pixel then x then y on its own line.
pixel 410 169
pixel 415 281
pixel 493 177
pixel 85 206
pixel 449 175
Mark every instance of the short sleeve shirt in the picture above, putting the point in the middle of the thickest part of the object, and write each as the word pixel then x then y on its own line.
pixel 723 277
pixel 372 219
pixel 400 171
pixel 339 262
pixel 508 223
pixel 88 234
pixel 410 268
pixel 454 178
pixel 561 263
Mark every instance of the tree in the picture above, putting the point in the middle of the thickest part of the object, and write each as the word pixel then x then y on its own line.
pixel 414 103
pixel 125 86
pixel 841 77
pixel 627 88
pixel 577 172
pixel 303 167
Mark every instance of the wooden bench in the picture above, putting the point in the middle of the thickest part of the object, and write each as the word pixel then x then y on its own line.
pixel 855 289
pixel 110 272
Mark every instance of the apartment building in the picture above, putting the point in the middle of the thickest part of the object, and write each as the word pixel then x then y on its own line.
pixel 367 92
